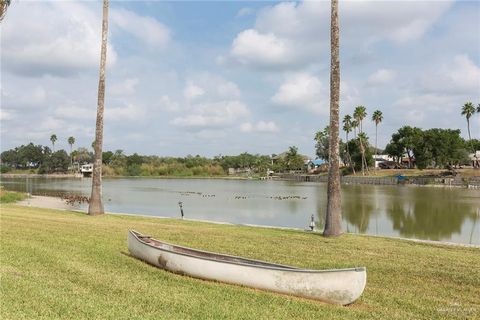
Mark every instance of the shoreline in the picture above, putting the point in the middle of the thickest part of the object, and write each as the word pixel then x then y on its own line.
pixel 46 202
pixel 468 182
pixel 77 176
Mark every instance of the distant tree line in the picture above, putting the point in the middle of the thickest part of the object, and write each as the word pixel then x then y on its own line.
pixel 41 159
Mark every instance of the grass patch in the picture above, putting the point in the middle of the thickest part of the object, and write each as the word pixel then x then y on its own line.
pixel 57 264
pixel 11 196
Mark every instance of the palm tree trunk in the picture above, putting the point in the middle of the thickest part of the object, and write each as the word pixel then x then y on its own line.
pixel 350 163
pixel 362 150
pixel 469 136
pixel 333 218
pixel 96 205
pixel 468 127
pixel 374 160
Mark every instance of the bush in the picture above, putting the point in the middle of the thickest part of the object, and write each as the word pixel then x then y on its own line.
pixel 134 170
pixel 5 169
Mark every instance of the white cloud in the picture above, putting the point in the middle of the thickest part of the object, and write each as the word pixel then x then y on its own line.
pixel 50 124
pixel 58 38
pixel 261 126
pixel 126 87
pixel 252 47
pixel 459 76
pixel 152 32
pixel 414 109
pixel 292 34
pixel 209 86
pixel 6 115
pixel 244 12
pixel 381 77
pixel 302 91
pixel 228 89
pixel 212 115
pixel 128 112
pixel 211 102
pixel 72 112
pixel 167 104
pixel 192 91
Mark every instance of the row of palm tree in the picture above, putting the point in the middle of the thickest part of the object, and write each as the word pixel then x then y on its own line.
pixel 468 110
pixel 356 121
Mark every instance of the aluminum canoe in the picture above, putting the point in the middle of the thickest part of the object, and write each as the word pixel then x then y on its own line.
pixel 337 286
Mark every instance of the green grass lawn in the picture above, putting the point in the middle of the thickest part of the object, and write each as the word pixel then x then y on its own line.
pixel 58 264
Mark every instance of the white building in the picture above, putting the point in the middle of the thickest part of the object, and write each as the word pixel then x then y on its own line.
pixel 378 158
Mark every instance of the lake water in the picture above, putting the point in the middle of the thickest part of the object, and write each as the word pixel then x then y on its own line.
pixel 443 214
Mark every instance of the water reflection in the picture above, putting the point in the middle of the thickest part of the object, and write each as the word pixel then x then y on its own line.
pixel 426 213
pixel 358 205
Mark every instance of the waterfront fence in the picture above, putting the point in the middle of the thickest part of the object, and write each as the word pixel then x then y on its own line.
pixel 470 182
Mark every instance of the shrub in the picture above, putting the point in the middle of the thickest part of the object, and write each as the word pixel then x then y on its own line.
pixel 5 169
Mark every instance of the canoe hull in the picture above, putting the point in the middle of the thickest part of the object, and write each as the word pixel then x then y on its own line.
pixel 342 286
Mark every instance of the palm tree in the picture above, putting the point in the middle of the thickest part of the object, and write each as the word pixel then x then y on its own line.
pixel 333 218
pixel 95 206
pixel 377 117
pixel 3 8
pixel 468 110
pixel 53 138
pixel 359 114
pixel 355 126
pixel 71 141
pixel 347 127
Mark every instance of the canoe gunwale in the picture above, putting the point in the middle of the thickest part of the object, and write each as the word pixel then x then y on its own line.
pixel 235 260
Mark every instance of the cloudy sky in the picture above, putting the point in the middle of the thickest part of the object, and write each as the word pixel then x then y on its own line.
pixel 215 78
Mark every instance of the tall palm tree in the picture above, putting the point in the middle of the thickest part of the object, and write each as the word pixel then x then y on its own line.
pixel 71 141
pixel 333 218
pixel 53 138
pixel 377 117
pixel 95 206
pixel 359 114
pixel 347 127
pixel 468 110
pixel 355 126
pixel 3 8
